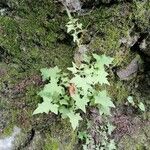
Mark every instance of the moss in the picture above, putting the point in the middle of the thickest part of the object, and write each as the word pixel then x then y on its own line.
pixel 141 14
pixel 8 130
pixel 29 39
pixel 61 136
pixel 9 35
pixel 109 20
pixel 109 26
pixel 50 143
pixel 30 35
pixel 118 92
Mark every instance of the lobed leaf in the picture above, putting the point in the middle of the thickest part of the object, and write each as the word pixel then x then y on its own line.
pixel 46 106
pixel 141 106
pixel 81 103
pixel 50 73
pixel 74 119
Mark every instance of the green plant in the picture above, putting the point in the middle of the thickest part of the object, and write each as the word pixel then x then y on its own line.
pixel 101 140
pixel 73 27
pixel 140 105
pixel 69 96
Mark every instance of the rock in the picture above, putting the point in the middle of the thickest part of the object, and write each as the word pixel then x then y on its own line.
pixel 145 46
pixel 139 140
pixel 79 54
pixel 29 141
pixel 72 5
pixel 36 142
pixel 7 143
pixel 23 139
pixel 132 68
pixel 129 41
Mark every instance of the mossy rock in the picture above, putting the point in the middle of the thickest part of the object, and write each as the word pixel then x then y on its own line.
pixel 139 140
pixel 56 138
pixel 33 35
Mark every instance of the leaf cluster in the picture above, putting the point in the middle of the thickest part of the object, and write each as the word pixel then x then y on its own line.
pixel 101 141
pixel 74 28
pixel 71 96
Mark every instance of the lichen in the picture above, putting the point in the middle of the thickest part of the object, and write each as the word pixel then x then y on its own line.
pixel 51 144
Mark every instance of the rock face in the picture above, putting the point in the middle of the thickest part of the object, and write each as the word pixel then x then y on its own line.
pixel 30 40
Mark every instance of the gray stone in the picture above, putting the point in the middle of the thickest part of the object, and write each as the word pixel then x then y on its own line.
pixel 132 68
pixel 7 142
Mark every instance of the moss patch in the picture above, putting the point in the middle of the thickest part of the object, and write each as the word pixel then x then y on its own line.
pixel 60 138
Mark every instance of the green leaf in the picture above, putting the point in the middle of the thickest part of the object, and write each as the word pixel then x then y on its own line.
pixel 130 100
pixel 64 111
pixel 46 106
pixel 74 119
pixel 102 60
pixel 75 37
pixel 50 73
pixel 79 25
pixel 141 106
pixel 80 102
pixel 104 110
pixel 70 27
pixel 73 69
pixel 82 82
pixel 42 93
pixel 112 145
pixel 86 58
pixel 63 102
pixel 82 135
pixel 85 147
pixel 52 88
pixel 72 21
pixel 103 99
pixel 64 80
pixel 88 71
pixel 101 77
pixel 110 128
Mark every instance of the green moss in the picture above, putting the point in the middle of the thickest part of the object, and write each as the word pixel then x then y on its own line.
pixel 118 91
pixel 109 26
pixel 8 130
pixel 61 136
pixel 9 36
pixel 111 23
pixel 50 143
pixel 141 14
pixel 30 35
pixel 29 39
